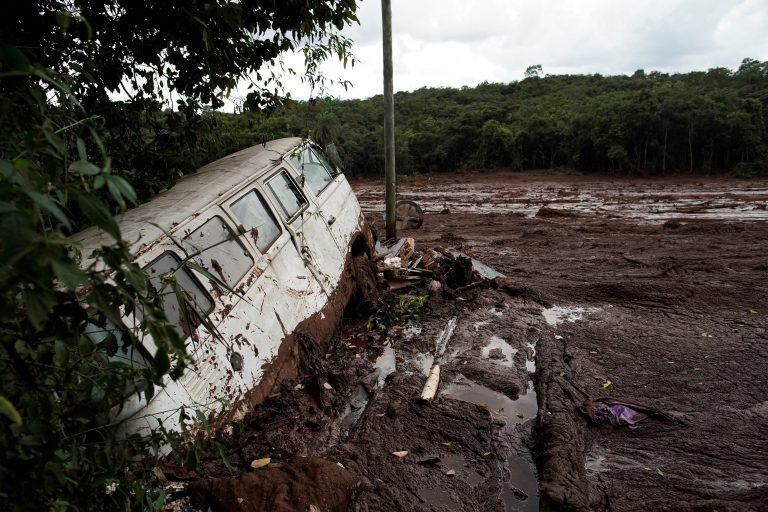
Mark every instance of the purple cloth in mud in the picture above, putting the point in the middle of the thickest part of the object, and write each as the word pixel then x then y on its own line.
pixel 618 415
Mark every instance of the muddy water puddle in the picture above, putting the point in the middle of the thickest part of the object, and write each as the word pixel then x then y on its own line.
pixel 384 365
pixel 556 315
pixel 500 350
pixel 519 490
pixel 511 411
pixel 457 467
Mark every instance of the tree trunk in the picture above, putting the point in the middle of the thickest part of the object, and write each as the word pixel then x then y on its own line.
pixel 690 146
pixel 645 155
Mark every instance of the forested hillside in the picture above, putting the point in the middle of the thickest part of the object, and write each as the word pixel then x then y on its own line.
pixel 647 123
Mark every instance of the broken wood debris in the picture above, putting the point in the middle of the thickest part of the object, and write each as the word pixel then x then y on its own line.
pixel 401 266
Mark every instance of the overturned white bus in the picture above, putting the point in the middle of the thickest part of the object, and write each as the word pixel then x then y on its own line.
pixel 279 226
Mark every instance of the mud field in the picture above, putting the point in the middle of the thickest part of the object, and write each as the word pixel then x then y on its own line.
pixel 652 293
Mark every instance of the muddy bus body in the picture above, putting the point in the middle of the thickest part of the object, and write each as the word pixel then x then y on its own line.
pixel 278 226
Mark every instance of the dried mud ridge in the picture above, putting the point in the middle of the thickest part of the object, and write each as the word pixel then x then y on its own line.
pixel 668 315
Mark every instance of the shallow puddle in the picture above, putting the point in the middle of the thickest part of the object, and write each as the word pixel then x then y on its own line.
pixel 520 490
pixel 385 364
pixel 559 314
pixel 424 362
pixel 507 351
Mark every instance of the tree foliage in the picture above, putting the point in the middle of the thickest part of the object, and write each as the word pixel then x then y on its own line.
pixel 648 123
pixel 68 158
pixel 197 50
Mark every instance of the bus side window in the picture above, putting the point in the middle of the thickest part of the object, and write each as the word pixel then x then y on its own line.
pixel 287 194
pixel 131 355
pixel 256 218
pixel 317 175
pixel 197 300
pixel 214 247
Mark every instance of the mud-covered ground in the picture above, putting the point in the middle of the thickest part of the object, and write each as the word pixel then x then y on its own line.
pixel 649 292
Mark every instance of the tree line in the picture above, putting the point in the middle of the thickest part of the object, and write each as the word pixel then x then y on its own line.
pixel 647 123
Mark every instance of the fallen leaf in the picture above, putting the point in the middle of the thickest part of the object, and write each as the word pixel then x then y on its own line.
pixel 485 454
pixel 450 472
pixel 446 444
pixel 400 454
pixel 414 350
pixel 260 463
pixel 705 334
pixel 752 312
pixel 327 386
pixel 520 415
pixel 697 369
pixel 558 337
pixel 659 472
pixel 298 387
pixel 327 356
pixel 483 405
pixel 607 383
pixel 357 356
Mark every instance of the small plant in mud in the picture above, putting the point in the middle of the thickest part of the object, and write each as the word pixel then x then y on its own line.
pixel 403 309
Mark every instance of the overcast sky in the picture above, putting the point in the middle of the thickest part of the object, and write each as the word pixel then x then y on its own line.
pixel 464 42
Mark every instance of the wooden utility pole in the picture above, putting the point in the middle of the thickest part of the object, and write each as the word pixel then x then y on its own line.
pixel 389 122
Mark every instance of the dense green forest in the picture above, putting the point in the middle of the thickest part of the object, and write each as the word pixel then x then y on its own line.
pixel 647 123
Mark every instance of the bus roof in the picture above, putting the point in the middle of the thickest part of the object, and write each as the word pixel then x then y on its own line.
pixel 191 194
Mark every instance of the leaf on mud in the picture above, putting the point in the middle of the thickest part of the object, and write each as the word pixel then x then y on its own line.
pixel 450 472
pixel 659 472
pixel 558 337
pixel 327 386
pixel 298 387
pixel 607 383
pixel 520 415
pixel 260 463
pixel 752 312
pixel 485 454
pixel 446 444
pixel 400 454
pixel 705 334
pixel 328 356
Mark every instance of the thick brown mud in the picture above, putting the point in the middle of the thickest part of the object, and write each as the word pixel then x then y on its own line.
pixel 664 311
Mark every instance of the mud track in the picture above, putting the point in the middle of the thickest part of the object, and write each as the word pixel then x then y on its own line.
pixel 667 311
